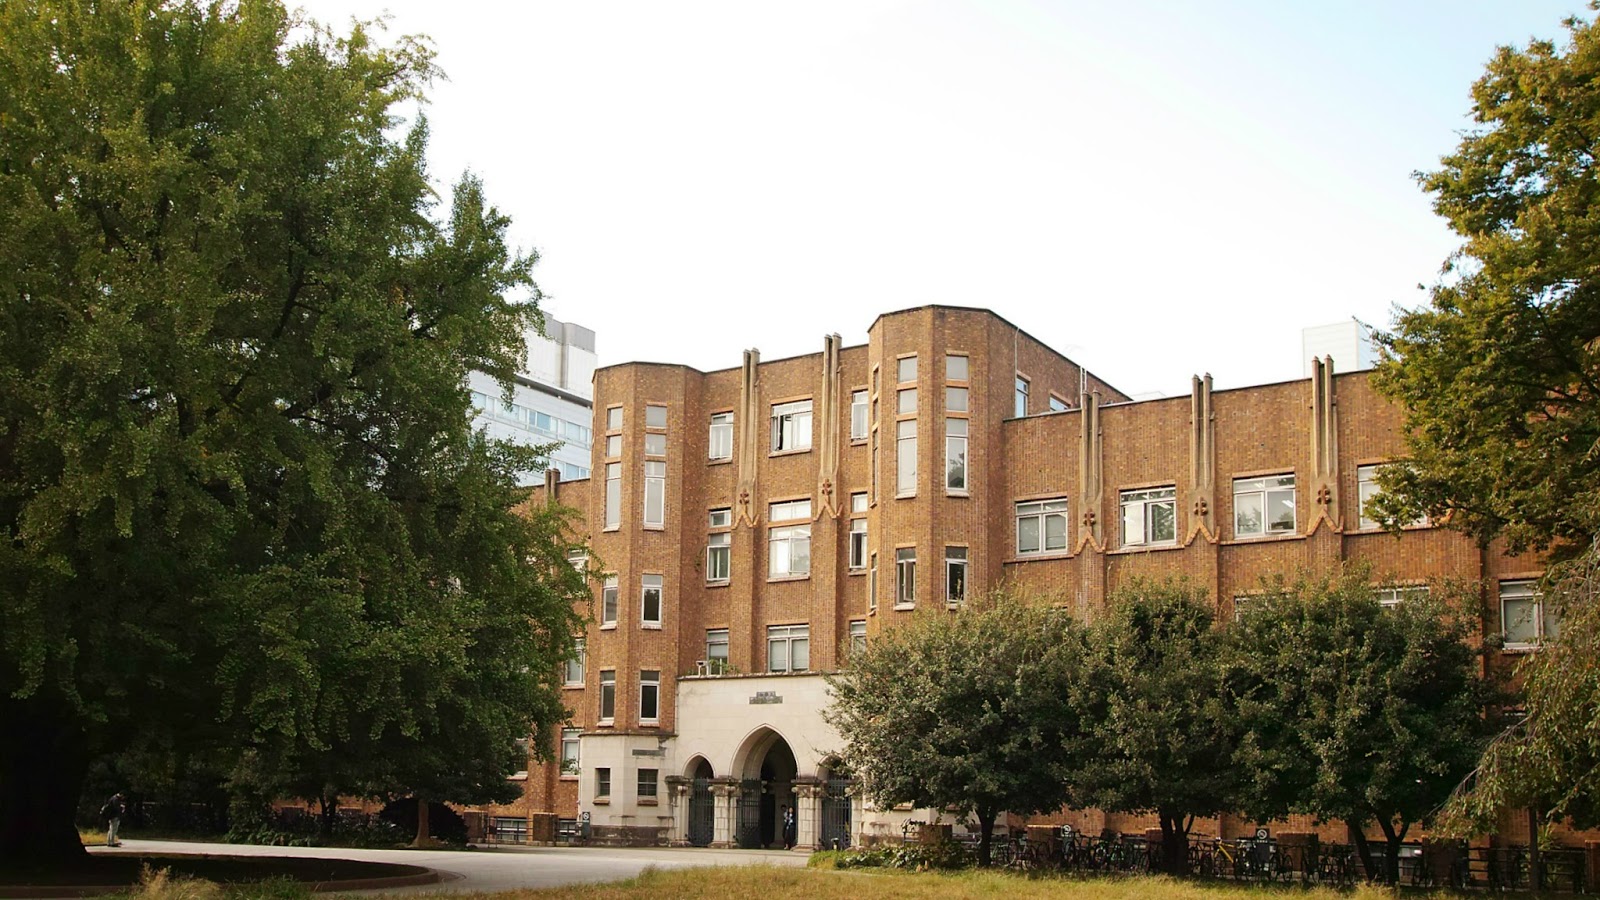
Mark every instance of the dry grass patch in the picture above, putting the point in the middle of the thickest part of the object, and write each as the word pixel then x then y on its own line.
pixel 741 882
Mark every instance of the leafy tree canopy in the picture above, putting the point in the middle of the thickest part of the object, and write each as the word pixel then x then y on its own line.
pixel 241 501
pixel 965 710
pixel 1500 375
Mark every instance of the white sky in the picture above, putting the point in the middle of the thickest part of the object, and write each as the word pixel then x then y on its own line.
pixel 1154 187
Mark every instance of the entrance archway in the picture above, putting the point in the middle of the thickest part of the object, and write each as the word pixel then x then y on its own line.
pixel 702 805
pixel 766 788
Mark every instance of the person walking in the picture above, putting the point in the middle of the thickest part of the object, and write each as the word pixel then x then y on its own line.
pixel 112 813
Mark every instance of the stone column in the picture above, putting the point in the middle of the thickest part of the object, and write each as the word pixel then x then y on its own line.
pixel 726 794
pixel 808 816
pixel 858 816
pixel 678 797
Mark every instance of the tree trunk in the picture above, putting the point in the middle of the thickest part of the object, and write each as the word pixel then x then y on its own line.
pixel 1391 842
pixel 43 758
pixel 1174 843
pixel 1535 855
pixel 1359 837
pixel 423 838
pixel 330 810
pixel 986 837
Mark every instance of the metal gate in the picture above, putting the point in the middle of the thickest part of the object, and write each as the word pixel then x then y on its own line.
pixel 702 813
pixel 749 831
pixel 836 813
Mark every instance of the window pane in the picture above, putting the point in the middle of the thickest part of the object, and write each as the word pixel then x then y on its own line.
pixel 956 581
pixel 1055 532
pixel 1246 514
pixel 1517 617
pixel 1028 535
pixel 908 369
pixel 1280 505
pixel 799 654
pixel 800 552
pixel 908 401
pixel 1132 523
pixel 614 418
pixel 655 417
pixel 955 459
pixel 1163 522
pixel 778 555
pixel 655 445
pixel 777 656
pixel 955 368
pixel 614 445
pixel 955 399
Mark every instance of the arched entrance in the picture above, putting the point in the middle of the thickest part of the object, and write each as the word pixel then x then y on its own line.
pixel 834 829
pixel 702 805
pixel 766 787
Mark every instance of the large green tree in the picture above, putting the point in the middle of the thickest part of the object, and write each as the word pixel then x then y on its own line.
pixel 1162 733
pixel 1351 711
pixel 967 710
pixel 241 502
pixel 1500 375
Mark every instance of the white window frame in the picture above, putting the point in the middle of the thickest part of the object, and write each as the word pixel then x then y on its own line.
pixel 571 751
pixel 572 670
pixel 578 559
pixel 1390 596
pixel 1042 513
pixel 905 577
pixel 1367 488
pixel 955 560
pixel 788 637
pixel 872 582
pixel 719 557
pixel 613 495
pixel 859 420
pixel 1058 405
pixel 955 447
pixel 720 436
pixel 858 636
pixel 791 426
pixel 1265 488
pixel 857 558
pixel 650 686
pixel 905 458
pixel 1020 398
pixel 1139 507
pixel 715 664
pixel 648 583
pixel 1526 590
pixel 655 493
pixel 610 602
pixel 790 544
pixel 608 696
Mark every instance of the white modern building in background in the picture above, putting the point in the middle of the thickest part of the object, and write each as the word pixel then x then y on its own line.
pixel 551 401
pixel 1348 342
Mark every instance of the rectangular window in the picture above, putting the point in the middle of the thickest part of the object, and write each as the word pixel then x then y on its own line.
pixel 648 779
pixel 655 443
pixel 955 368
pixel 716 651
pixel 858 636
pixel 1057 404
pixel 907 369
pixel 1022 397
pixel 572 673
pixel 655 493
pixel 789 511
pixel 905 454
pixel 791 426
pixel 1041 526
pixel 1150 517
pixel 872 583
pixel 907 401
pixel 858 544
pixel 720 441
pixel 655 417
pixel 602 783
pixel 613 446
pixel 872 484
pixel 650 696
pixel 789 551
pixel 720 518
pixel 608 603
pixel 1392 595
pixel 1263 506
pixel 578 559
pixel 650 601
pixel 858 416
pixel 955 455
pixel 955 576
pixel 608 697
pixel 719 556
pixel 955 399
pixel 858 502
pixel 1366 489
pixel 614 418
pixel 569 750
pixel 613 495
pixel 905 577
pixel 1526 620
pixel 788 648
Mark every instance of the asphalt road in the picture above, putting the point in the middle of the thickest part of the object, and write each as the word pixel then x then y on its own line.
pixel 501 868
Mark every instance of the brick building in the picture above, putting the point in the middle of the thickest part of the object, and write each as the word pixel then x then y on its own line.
pixel 750 524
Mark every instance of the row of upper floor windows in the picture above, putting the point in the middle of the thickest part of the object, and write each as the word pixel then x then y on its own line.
pixel 530 419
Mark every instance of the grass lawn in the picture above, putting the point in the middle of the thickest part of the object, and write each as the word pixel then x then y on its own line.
pixel 820 884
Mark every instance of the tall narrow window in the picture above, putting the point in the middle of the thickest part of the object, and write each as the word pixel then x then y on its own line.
pixel 1263 506
pixel 613 446
pixel 955 576
pixel 650 601
pixel 1022 397
pixel 602 783
pixel 858 544
pixel 905 453
pixel 955 455
pixel 655 493
pixel 573 672
pixel 608 697
pixel 858 416
pixel 614 418
pixel 906 369
pixel 608 603
pixel 613 495
pixel 788 648
pixel 873 474
pixel 570 742
pixel 1150 517
pixel 905 577
pixel 720 441
pixel 858 636
pixel 719 556
pixel 649 697
pixel 1526 620
pixel 1041 527
pixel 791 426
pixel 649 783
pixel 716 651
pixel 872 583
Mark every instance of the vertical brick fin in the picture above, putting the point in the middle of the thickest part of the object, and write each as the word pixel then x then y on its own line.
pixel 1091 477
pixel 750 419
pixel 827 439
pixel 1323 490
pixel 552 482
pixel 1202 496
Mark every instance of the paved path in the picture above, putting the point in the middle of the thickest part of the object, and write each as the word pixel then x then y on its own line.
pixel 502 868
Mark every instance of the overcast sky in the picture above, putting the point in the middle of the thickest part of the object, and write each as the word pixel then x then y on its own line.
pixel 1154 187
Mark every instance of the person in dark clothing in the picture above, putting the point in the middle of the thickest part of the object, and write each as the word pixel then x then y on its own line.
pixel 112 813
pixel 788 827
